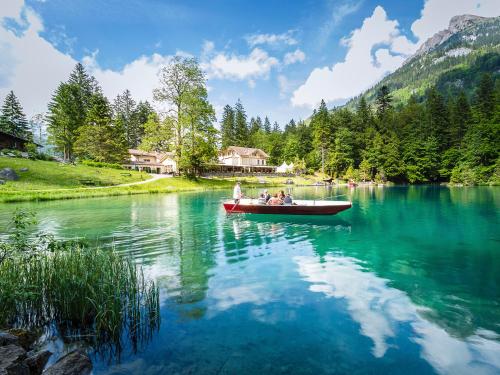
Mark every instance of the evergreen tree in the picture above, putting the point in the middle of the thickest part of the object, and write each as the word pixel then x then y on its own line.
pixel 485 96
pixel 461 118
pixel 124 109
pixel 12 117
pixel 99 139
pixel 240 125
pixel 158 135
pixel 267 125
pixel 227 127
pixel 322 132
pixel 384 101
pixel 438 119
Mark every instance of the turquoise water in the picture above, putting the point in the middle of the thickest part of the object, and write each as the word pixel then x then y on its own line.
pixel 408 280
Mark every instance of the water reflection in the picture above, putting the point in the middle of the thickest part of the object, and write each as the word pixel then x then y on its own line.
pixel 380 311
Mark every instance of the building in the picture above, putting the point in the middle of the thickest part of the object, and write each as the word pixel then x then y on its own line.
pixel 13 142
pixel 243 156
pixel 152 162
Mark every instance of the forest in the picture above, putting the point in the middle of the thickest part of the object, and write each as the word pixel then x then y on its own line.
pixel 436 137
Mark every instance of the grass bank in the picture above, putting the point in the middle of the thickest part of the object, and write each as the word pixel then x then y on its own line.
pixel 46 180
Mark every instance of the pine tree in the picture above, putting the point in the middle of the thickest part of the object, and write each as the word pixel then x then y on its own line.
pixel 267 125
pixel 486 96
pixel 227 127
pixel 99 139
pixel 322 132
pixel 124 109
pixel 461 118
pixel 438 122
pixel 384 101
pixel 12 118
pixel 240 125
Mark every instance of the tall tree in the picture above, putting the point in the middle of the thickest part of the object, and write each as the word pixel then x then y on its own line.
pixel 227 127
pixel 179 82
pixel 240 125
pixel 322 132
pixel 124 109
pixel 485 96
pixel 157 134
pixel 384 101
pixel 267 125
pixel 438 118
pixel 461 118
pixel 100 139
pixel 68 109
pixel 12 117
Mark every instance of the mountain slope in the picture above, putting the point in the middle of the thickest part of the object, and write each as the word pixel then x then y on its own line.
pixel 453 59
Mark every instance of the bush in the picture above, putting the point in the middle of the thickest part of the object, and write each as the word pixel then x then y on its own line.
pixel 100 164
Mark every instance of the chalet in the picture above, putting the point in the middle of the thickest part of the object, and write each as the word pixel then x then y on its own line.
pixel 243 156
pixel 13 142
pixel 151 162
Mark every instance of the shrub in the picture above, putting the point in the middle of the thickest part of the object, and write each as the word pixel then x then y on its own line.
pixel 100 164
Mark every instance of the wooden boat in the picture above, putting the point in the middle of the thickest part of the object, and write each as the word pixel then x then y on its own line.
pixel 299 207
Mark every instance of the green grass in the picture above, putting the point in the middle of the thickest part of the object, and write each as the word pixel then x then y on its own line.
pixel 48 175
pixel 51 181
pixel 88 293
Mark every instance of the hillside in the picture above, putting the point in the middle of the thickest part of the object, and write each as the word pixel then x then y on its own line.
pixel 453 59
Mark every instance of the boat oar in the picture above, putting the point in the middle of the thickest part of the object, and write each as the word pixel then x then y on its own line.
pixel 232 209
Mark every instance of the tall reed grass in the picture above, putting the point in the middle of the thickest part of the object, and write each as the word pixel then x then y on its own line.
pixel 86 292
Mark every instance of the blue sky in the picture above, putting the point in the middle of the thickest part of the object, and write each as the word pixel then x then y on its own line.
pixel 279 57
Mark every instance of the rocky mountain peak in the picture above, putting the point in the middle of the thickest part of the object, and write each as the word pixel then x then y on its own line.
pixel 457 24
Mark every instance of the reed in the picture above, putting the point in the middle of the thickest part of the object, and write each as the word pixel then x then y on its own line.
pixel 86 292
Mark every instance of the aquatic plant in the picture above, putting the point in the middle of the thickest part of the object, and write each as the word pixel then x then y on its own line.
pixel 87 293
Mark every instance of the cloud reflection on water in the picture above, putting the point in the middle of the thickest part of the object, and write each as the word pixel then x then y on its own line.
pixel 379 309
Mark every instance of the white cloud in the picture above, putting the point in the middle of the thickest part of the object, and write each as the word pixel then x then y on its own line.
pixel 436 14
pixel 272 39
pixel 374 50
pixel 294 57
pixel 33 67
pixel 257 64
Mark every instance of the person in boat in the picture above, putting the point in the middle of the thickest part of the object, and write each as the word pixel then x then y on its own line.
pixel 262 198
pixel 274 201
pixel 281 195
pixel 268 196
pixel 237 193
pixel 287 201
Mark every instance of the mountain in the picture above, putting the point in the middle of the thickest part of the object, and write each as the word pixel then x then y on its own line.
pixel 452 60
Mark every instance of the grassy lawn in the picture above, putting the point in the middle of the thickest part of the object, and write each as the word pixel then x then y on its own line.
pixel 47 180
pixel 48 175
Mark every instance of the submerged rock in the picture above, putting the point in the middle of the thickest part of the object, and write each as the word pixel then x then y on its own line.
pixel 8 174
pixel 73 363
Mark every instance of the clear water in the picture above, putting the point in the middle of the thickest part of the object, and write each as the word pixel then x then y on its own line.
pixel 408 280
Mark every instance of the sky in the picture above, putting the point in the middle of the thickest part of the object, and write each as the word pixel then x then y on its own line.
pixel 280 58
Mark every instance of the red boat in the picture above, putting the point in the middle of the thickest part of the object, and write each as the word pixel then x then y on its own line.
pixel 299 207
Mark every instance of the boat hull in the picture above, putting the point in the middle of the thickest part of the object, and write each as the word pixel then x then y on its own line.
pixel 230 207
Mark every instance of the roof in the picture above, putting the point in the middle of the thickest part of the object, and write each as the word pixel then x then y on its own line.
pixel 2 132
pixel 246 151
pixel 158 155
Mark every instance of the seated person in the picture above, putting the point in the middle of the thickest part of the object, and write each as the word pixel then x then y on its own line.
pixel 274 201
pixel 281 195
pixel 262 198
pixel 268 196
pixel 287 200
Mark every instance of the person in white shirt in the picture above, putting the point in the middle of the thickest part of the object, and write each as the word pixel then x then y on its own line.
pixel 237 193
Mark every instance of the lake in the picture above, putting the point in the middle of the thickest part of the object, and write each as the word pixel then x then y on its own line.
pixel 408 280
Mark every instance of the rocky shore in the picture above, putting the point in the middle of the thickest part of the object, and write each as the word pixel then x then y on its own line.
pixel 18 356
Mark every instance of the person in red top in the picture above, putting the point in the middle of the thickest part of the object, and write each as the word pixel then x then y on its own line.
pixel 274 201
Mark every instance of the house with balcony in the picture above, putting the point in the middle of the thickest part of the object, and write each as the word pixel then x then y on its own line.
pixel 151 162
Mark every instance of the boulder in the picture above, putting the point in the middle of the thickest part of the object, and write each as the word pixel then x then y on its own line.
pixel 37 362
pixel 8 174
pixel 73 363
pixel 8 339
pixel 26 338
pixel 11 360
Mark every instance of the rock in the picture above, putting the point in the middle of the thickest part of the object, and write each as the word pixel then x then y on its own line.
pixel 37 362
pixel 24 170
pixel 73 363
pixel 8 174
pixel 11 360
pixel 8 339
pixel 25 155
pixel 26 338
